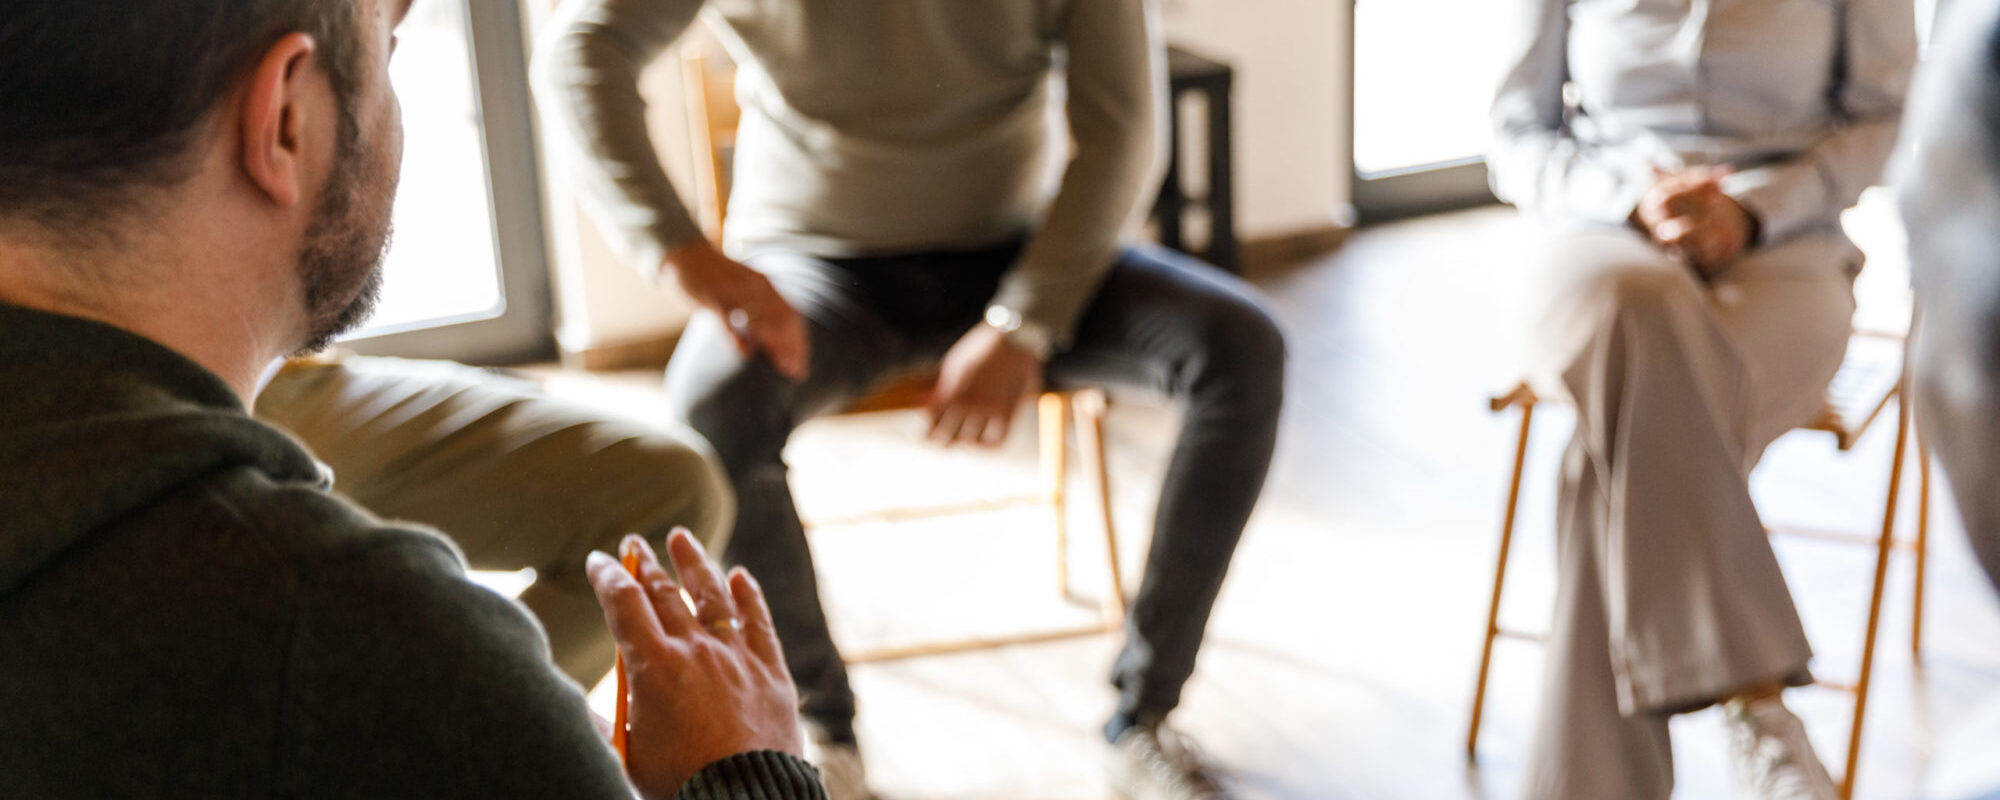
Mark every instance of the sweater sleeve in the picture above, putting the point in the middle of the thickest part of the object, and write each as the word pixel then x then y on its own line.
pixel 1878 50
pixel 586 77
pixel 1535 162
pixel 406 680
pixel 1116 80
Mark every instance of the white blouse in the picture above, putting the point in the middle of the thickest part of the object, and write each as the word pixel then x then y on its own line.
pixel 1802 97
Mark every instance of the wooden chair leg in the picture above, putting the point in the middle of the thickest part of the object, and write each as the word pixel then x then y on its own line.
pixel 1884 547
pixel 1052 415
pixel 1499 582
pixel 1922 546
pixel 1090 409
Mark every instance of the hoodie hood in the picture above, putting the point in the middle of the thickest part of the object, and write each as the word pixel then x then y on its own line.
pixel 97 424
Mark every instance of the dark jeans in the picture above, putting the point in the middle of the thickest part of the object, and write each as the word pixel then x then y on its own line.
pixel 1161 321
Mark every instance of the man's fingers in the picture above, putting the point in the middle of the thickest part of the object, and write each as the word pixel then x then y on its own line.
pixel 744 339
pixel 965 429
pixel 777 329
pixel 663 591
pixel 978 426
pixel 995 432
pixel 758 631
pixel 702 579
pixel 800 347
pixel 783 339
pixel 945 421
pixel 627 610
pixel 966 420
pixel 971 429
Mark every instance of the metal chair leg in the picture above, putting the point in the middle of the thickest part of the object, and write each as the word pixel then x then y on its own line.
pixel 1922 546
pixel 1090 409
pixel 1884 547
pixel 1499 582
pixel 1052 415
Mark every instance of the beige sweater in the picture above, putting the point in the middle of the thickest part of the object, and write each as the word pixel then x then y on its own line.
pixel 876 127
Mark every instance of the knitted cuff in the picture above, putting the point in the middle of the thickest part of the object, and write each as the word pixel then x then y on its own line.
pixel 759 775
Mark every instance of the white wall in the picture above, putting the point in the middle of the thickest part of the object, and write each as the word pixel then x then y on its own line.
pixel 1291 127
pixel 1291 154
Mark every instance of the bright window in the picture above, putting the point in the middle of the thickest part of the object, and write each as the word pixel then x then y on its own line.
pixel 1424 74
pixel 442 266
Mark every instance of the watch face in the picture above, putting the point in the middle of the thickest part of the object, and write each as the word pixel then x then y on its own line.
pixel 1006 319
pixel 1030 337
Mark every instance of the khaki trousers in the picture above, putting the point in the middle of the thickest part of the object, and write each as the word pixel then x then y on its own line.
pixel 517 479
pixel 1669 595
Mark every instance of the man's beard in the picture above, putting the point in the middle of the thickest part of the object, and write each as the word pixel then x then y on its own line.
pixel 340 267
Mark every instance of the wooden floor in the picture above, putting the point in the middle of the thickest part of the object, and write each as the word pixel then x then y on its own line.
pixel 1340 661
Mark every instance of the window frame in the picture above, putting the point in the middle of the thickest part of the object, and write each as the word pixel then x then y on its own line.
pixel 523 329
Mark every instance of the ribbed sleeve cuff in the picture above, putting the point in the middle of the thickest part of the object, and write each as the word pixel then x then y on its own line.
pixel 760 775
pixel 1786 198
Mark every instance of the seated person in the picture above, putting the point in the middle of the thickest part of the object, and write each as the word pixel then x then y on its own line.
pixel 1690 162
pixel 189 191
pixel 888 214
pixel 514 477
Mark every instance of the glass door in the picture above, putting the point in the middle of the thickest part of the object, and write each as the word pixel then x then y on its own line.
pixel 1424 73
pixel 466 276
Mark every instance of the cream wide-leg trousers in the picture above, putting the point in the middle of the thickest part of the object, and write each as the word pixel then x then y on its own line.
pixel 1669 595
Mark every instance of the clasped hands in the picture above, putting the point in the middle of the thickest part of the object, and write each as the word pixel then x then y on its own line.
pixel 1687 214
pixel 982 381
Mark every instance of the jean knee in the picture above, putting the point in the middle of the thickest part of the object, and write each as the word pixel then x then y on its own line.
pixel 1255 343
pixel 1247 346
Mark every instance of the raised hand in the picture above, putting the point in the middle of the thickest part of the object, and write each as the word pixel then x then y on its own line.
pixel 707 681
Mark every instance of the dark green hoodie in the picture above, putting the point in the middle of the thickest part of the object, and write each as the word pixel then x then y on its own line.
pixel 186 611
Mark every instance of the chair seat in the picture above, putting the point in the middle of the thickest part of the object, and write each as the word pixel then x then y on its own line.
pixel 1869 378
pixel 901 394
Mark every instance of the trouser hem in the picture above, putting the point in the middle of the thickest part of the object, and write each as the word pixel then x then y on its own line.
pixel 1695 685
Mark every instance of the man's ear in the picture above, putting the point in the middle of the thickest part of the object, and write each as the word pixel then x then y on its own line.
pixel 275 114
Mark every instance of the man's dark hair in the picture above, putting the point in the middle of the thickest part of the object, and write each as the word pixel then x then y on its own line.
pixel 100 99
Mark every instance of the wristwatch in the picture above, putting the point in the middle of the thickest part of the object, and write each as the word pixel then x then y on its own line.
pixel 1032 337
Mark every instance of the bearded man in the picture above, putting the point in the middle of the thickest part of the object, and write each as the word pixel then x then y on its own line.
pixel 190 191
